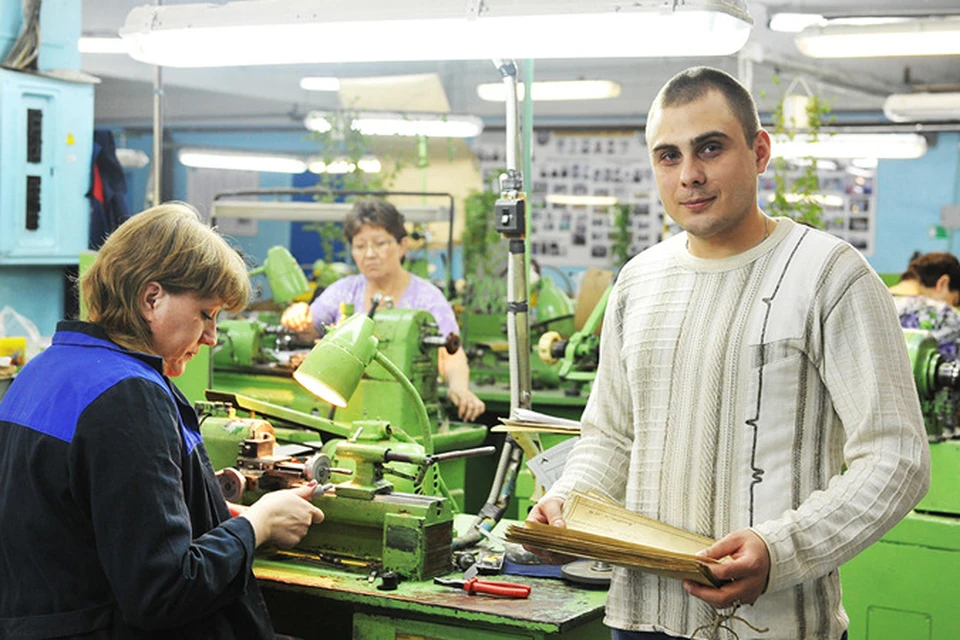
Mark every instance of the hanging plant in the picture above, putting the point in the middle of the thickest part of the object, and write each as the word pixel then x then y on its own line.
pixel 484 255
pixel 342 143
pixel 620 249
pixel 797 189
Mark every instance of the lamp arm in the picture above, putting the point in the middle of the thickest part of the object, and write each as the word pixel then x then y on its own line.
pixel 421 410
pixel 424 419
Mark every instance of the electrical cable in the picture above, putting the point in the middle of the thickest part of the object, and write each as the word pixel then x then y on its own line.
pixel 26 49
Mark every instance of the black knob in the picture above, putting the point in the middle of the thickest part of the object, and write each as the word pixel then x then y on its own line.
pixel 389 581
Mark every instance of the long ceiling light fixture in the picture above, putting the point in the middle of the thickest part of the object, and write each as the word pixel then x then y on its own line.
pixel 100 44
pixel 922 107
pixel 907 37
pixel 850 145
pixel 240 161
pixel 372 123
pixel 553 90
pixel 258 32
pixel 367 165
pixel 581 201
pixel 320 83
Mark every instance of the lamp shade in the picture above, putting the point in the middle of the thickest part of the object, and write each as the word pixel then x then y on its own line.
pixel 333 368
pixel 286 278
pixel 258 32
pixel 922 107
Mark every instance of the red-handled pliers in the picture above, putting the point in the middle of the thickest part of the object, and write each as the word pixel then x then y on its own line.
pixel 475 585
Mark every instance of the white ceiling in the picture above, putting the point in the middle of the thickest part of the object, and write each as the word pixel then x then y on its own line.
pixel 270 96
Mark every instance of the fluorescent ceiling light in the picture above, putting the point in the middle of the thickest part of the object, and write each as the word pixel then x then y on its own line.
pixel 305 31
pixel 373 123
pixel 864 163
pixel 317 83
pixel 554 90
pixel 794 22
pixel 239 161
pixel 922 107
pixel 101 45
pixel 850 145
pixel 822 164
pixel 824 200
pixel 917 37
pixel 367 165
pixel 596 201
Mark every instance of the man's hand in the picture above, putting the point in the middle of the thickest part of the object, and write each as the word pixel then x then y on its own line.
pixel 548 511
pixel 297 317
pixel 747 569
pixel 283 517
pixel 469 406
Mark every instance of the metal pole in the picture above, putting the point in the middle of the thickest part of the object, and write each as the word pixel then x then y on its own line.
pixel 157 127
pixel 512 223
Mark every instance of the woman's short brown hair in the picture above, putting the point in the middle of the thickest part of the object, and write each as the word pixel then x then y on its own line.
pixel 930 267
pixel 376 212
pixel 168 244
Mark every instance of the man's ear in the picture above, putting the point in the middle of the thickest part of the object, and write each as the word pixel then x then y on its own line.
pixel 762 146
pixel 150 295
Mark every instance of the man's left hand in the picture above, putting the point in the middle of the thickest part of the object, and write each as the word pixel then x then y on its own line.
pixel 745 571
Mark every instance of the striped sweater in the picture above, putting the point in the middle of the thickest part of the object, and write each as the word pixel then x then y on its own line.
pixel 730 394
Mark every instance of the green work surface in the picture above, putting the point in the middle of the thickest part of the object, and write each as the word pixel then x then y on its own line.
pixel 312 601
pixel 553 402
pixel 943 496
pixel 900 588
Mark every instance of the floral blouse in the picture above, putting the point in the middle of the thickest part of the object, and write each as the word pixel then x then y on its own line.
pixel 920 312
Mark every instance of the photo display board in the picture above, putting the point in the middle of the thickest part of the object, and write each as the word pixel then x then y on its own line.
pixel 616 164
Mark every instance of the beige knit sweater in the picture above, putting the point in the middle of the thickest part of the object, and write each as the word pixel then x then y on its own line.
pixel 730 394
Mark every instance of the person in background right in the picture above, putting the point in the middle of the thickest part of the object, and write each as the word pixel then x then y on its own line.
pixel 926 296
pixel 925 299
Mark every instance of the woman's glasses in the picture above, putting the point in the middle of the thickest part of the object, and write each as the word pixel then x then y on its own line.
pixel 377 246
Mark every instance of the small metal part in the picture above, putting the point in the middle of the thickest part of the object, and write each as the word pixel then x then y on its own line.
pixel 465 560
pixel 389 581
pixel 588 572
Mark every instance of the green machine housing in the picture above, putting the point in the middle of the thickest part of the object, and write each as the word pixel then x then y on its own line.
pixel 900 587
pixel 367 523
pixel 409 338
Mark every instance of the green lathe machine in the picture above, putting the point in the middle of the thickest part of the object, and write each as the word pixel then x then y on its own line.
pixel 256 359
pixel 901 587
pixel 368 524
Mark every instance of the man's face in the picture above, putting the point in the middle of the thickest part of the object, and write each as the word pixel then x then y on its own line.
pixel 706 171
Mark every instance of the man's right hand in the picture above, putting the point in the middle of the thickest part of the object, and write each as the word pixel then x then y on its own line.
pixel 297 317
pixel 548 510
pixel 283 517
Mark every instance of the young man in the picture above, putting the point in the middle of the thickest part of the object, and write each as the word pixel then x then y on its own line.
pixel 743 365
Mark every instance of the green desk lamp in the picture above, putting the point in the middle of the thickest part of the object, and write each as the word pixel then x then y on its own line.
pixel 286 278
pixel 333 368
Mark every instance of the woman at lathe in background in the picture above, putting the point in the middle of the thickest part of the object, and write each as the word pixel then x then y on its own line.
pixel 112 523
pixel 925 299
pixel 926 296
pixel 378 242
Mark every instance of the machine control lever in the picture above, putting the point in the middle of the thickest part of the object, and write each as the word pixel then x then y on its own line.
pixel 451 343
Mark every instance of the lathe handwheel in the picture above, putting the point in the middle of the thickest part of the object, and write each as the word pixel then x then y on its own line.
pixel 232 484
pixel 317 467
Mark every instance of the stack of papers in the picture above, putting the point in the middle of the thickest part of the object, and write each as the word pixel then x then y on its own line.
pixel 527 420
pixel 602 530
